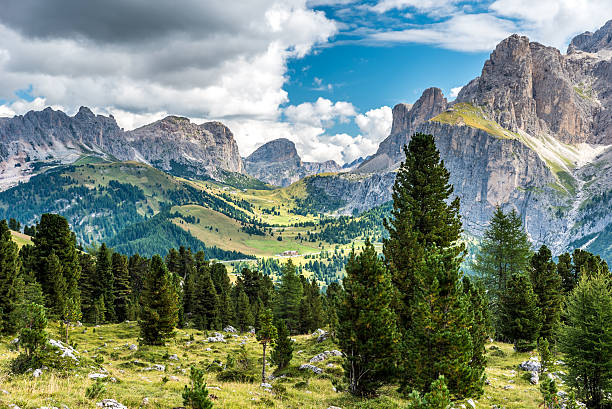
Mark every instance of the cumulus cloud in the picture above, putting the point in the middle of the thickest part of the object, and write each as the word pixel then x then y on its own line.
pixel 376 123
pixel 321 113
pixel 454 92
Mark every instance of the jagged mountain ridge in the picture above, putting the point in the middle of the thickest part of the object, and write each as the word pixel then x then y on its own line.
pixel 173 144
pixel 277 162
pixel 533 132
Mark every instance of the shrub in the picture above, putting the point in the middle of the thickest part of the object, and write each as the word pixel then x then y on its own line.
pixel 195 396
pixel 95 390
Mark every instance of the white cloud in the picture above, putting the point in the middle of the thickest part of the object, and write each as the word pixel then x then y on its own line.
pixel 454 92
pixel 376 123
pixel 322 113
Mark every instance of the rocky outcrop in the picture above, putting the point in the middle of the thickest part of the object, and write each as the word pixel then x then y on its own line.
pixel 43 138
pixel 593 42
pixel 278 163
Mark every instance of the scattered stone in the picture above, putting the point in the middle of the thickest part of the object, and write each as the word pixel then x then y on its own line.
pixel 145 402
pixel 535 377
pixel 208 349
pixel 13 406
pixel 97 376
pixel 217 338
pixel 66 350
pixel 471 403
pixel 266 385
pixel 110 403
pixel 320 334
pixel 156 367
pixel 173 357
pixel 133 347
pixel 37 373
pixel 314 369
pixel 231 329
pixel 5 392
pixel 508 387
pixel 174 378
pixel 324 355
pixel 251 330
pixel 334 407
pixel 532 365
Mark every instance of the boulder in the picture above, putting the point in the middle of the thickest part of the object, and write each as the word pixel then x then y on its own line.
pixel 533 364
pixel 218 337
pixel 314 369
pixel 97 376
pixel 231 329
pixel 66 350
pixel 471 403
pixel 324 355
pixel 173 357
pixel 37 373
pixel 156 367
pixel 111 404
pixel 133 347
pixel 535 377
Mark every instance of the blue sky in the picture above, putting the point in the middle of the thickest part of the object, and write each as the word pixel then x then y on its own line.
pixel 323 73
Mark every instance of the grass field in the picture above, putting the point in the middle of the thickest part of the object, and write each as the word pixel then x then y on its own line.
pixel 132 382
pixel 21 239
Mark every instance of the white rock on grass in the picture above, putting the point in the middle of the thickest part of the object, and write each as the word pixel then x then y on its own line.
pixel 532 365
pixel 231 329
pixel 66 350
pixel 535 377
pixel 173 357
pixel 37 373
pixel 217 338
pixel 324 355
pixel 266 385
pixel 97 376
pixel 111 404
pixel 471 403
pixel 320 334
pixel 314 369
pixel 156 367
pixel 132 347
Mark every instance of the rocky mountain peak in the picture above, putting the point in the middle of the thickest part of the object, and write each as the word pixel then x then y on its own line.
pixel 219 130
pixel 593 42
pixel 85 112
pixel 278 150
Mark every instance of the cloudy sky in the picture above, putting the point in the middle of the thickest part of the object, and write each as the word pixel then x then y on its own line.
pixel 324 73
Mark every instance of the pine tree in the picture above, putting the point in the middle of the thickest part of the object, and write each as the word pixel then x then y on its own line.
pixel 289 297
pixel 159 305
pixel 332 301
pixel 480 328
pixel 206 308
pixel 14 225
pixel 53 235
pixel 196 396
pixel 439 341
pixel 33 336
pixel 586 340
pixel 244 316
pixel 121 287
pixel 106 281
pixel 88 286
pixel 10 276
pixel 59 289
pixel 519 313
pixel 438 397
pixel 505 250
pixel 367 333
pixel 283 346
pixel 565 271
pixel 546 284
pixel 266 335
pixel 311 308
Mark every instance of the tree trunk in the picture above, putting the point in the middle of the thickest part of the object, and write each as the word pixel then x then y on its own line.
pixel 263 367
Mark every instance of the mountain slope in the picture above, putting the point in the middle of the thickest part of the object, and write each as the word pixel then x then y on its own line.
pixel 278 163
pixel 38 140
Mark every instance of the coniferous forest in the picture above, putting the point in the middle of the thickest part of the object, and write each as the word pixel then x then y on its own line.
pixel 405 321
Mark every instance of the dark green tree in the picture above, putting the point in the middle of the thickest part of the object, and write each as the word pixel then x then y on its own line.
pixel 520 316
pixel 206 307
pixel 11 282
pixel 266 335
pixel 438 397
pixel 53 235
pixel 288 298
pixel 14 225
pixel 586 340
pixel 480 328
pixel 367 333
pixel 32 337
pixel 505 250
pixel 244 316
pixel 106 281
pixel 121 288
pixel 159 305
pixel 546 284
pixel 88 285
pixel 311 307
pixel 283 346
pixel 566 272
pixel 331 304
pixel 196 396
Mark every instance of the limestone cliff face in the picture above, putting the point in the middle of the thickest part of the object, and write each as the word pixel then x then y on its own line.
pixel 278 163
pixel 533 133
pixel 44 138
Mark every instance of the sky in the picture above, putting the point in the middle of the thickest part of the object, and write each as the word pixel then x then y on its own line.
pixel 323 73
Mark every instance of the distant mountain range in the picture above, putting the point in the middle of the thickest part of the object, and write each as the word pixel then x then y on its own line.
pixel 533 132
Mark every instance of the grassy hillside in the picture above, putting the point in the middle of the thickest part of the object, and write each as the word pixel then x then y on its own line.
pixel 21 239
pixel 105 350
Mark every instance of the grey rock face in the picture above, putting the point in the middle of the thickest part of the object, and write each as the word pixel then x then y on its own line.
pixel 278 163
pixel 173 144
pixel 593 42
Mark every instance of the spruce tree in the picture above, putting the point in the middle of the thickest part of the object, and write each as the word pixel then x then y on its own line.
pixel 121 287
pixel 266 335
pixel 10 279
pixel 159 305
pixel 480 328
pixel 244 316
pixel 283 346
pixel 88 286
pixel 519 313
pixel 546 284
pixel 53 235
pixel 439 341
pixel 586 340
pixel 367 333
pixel 289 298
pixel 311 308
pixel 206 307
pixel 106 281
pixel 505 250
pixel 333 299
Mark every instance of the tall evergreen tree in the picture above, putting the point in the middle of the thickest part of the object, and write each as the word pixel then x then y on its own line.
pixel 244 316
pixel 289 297
pixel 565 271
pixel 546 284
pixel 283 346
pixel 121 287
pixel 159 305
pixel 14 225
pixel 206 307
pixel 505 250
pixel 367 333
pixel 266 335
pixel 586 340
pixel 480 328
pixel 311 308
pixel 519 313
pixel 10 276
pixel 223 286
pixel 88 286
pixel 106 281
pixel 53 235
pixel 331 304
